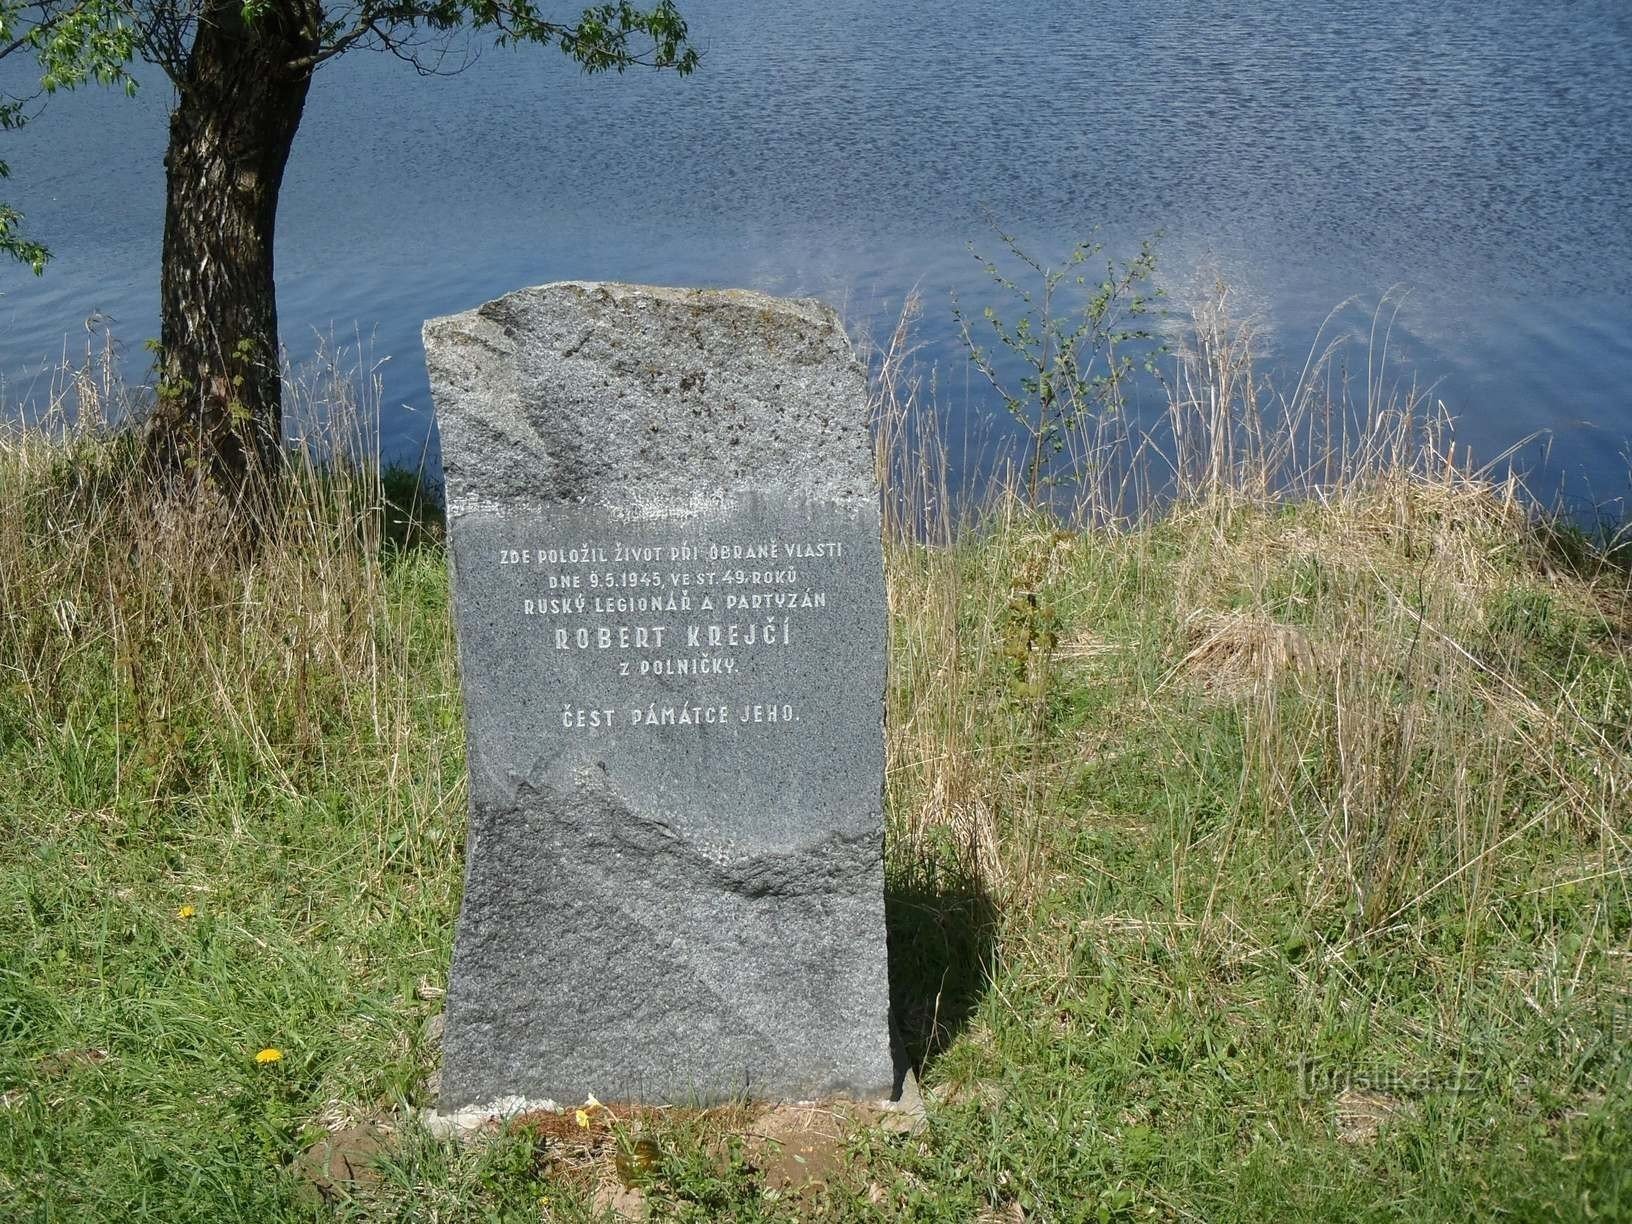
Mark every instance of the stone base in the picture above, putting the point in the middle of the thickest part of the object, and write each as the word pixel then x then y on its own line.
pixel 904 1111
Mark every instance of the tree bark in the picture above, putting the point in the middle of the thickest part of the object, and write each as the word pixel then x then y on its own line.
pixel 219 410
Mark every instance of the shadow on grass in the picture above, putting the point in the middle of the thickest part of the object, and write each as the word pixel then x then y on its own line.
pixel 414 516
pixel 1585 550
pixel 942 929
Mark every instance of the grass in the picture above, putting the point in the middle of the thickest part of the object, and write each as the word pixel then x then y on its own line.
pixel 1259 853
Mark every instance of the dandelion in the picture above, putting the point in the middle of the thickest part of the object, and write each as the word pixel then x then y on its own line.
pixel 269 1055
pixel 582 1117
pixel 186 911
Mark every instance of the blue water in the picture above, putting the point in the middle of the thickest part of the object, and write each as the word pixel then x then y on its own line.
pixel 1478 154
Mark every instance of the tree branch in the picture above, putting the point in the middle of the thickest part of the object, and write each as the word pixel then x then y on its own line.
pixel 598 40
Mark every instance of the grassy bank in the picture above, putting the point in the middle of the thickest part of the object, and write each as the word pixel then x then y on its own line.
pixel 1260 856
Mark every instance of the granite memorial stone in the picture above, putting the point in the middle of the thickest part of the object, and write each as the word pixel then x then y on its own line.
pixel 668 598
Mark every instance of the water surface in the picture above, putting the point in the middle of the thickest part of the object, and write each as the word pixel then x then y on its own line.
pixel 1475 153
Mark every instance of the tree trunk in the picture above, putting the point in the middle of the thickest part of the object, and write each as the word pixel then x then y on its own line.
pixel 219 411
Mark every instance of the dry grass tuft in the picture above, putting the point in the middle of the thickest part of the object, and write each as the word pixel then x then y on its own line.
pixel 1241 652
pixel 1362 1114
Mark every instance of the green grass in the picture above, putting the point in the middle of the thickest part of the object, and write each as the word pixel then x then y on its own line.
pixel 1278 888
pixel 1256 861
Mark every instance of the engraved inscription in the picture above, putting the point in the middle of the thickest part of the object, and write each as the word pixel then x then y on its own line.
pixel 692 612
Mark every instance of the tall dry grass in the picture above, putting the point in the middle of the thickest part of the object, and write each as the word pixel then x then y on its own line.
pixel 1424 673
pixel 126 606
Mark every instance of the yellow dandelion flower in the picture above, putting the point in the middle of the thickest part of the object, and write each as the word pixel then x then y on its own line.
pixel 269 1055
pixel 582 1117
pixel 186 911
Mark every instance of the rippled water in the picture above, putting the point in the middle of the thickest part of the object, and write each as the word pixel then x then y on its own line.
pixel 1478 153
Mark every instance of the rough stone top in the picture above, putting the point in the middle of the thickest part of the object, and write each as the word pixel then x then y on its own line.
pixel 650 401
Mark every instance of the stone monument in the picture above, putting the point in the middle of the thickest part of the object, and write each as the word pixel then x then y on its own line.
pixel 668 598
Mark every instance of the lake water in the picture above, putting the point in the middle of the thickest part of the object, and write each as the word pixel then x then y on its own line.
pixel 1478 153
